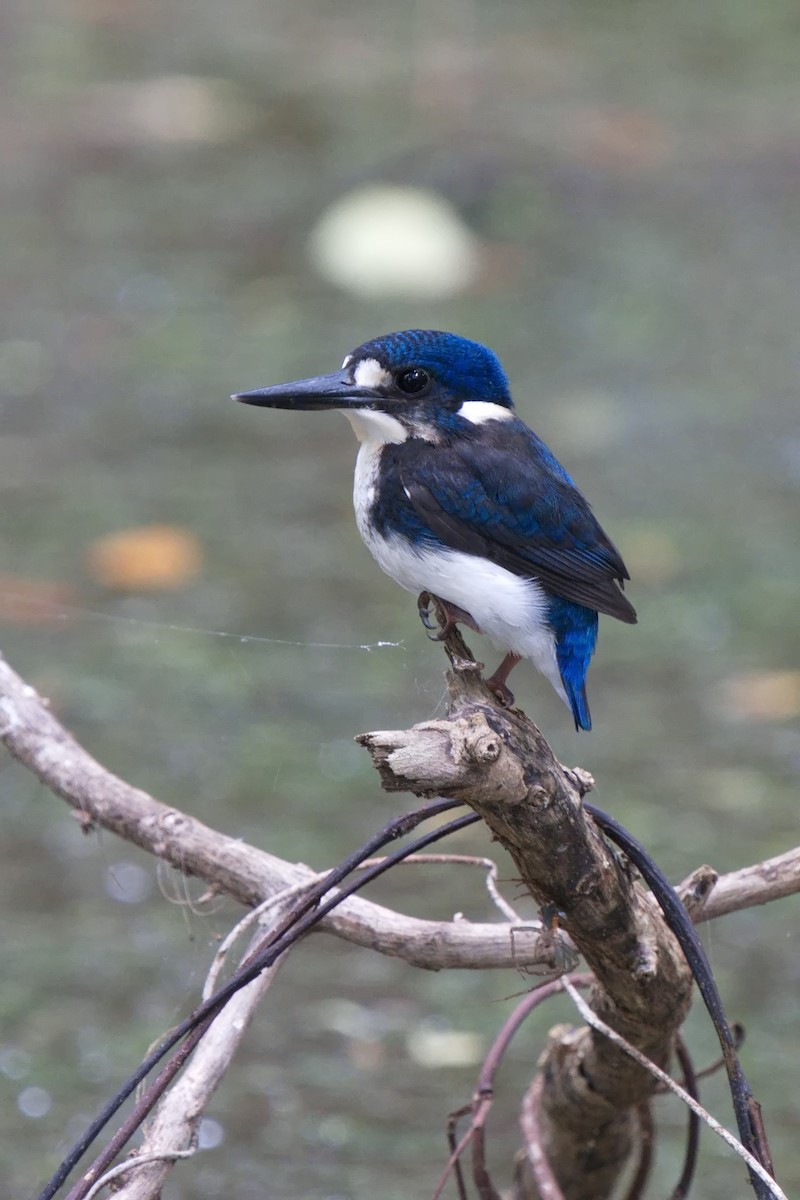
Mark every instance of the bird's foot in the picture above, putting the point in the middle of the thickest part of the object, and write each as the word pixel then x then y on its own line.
pixel 501 692
pixel 496 683
pixel 429 606
pixel 446 616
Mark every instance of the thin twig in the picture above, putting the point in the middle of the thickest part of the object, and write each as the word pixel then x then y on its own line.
pixel 592 1019
pixel 556 954
pixel 719 1063
pixel 454 1161
pixel 472 860
pixel 483 1094
pixel 546 1182
pixel 690 1079
pixel 250 918
pixel 140 1160
pixel 647 1136
pixel 746 1107
pixel 455 1152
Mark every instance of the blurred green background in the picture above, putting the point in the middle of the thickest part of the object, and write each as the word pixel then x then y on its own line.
pixel 203 198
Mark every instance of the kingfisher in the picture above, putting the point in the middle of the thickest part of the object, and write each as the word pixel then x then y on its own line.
pixel 458 500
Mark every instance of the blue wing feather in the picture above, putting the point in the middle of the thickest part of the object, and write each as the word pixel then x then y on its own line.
pixel 502 495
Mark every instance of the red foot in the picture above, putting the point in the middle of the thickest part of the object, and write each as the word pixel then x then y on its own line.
pixel 497 683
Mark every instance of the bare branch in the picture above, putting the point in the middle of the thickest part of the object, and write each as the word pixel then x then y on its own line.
pixel 497 761
pixel 249 875
pixel 304 914
pixel 470 860
pixel 708 895
pixel 636 948
pixel 34 736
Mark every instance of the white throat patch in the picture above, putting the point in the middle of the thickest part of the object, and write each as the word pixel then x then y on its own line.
pixel 374 428
pixel 478 412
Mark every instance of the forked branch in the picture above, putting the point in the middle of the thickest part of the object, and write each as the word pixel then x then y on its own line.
pixel 497 761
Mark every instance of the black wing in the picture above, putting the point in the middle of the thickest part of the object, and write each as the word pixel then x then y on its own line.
pixel 510 501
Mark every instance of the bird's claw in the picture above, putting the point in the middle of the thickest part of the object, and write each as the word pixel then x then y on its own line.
pixel 424 605
pixel 443 625
pixel 446 617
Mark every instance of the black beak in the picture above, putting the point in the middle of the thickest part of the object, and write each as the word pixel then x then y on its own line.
pixel 323 391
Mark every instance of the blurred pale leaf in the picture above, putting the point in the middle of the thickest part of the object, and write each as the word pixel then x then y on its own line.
pixel 762 695
pixel 168 110
pixel 444 1047
pixel 394 241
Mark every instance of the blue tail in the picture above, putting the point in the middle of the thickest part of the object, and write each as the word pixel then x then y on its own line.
pixel 575 628
pixel 578 703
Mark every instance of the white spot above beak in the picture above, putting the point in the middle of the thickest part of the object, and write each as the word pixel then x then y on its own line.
pixel 370 374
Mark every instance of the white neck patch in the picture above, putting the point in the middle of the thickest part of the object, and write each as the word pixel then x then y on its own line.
pixel 370 374
pixel 374 428
pixel 478 412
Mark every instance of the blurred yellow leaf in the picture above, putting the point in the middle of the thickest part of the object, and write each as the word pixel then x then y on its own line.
pixel 762 695
pixel 152 558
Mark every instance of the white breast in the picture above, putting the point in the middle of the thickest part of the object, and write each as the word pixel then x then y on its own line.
pixel 365 485
pixel 374 430
pixel 512 611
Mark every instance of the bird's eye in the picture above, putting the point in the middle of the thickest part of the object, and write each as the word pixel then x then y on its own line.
pixel 413 380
